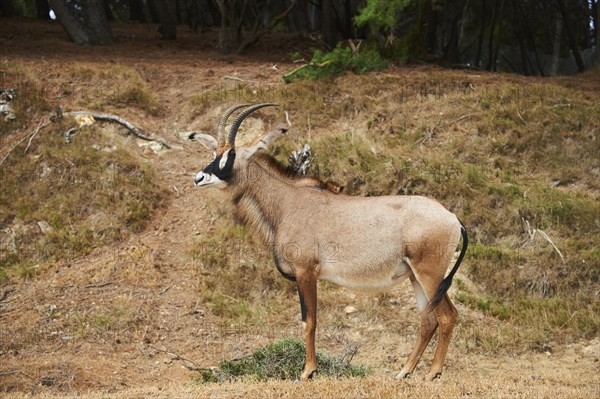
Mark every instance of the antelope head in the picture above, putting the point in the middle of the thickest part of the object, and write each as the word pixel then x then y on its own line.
pixel 221 169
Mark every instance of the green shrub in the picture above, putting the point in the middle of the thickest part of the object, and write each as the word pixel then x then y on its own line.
pixel 338 61
pixel 282 360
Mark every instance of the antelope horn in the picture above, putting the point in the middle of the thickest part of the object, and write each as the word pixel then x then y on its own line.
pixel 238 121
pixel 223 122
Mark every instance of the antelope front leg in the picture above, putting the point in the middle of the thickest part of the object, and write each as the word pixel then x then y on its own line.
pixel 307 290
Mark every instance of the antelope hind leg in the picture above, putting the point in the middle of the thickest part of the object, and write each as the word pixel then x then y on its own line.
pixel 446 315
pixel 428 326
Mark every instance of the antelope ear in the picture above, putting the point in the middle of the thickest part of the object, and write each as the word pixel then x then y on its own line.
pixel 226 158
pixel 206 140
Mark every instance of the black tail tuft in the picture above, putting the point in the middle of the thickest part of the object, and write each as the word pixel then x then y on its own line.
pixel 447 282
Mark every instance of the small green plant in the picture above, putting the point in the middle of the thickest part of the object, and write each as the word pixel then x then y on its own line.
pixel 336 62
pixel 282 360
pixel 493 306
pixel 26 270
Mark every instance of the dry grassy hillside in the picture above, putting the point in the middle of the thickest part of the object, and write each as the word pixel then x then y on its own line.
pixel 110 284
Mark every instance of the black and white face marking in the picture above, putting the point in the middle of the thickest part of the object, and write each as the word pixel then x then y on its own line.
pixel 218 171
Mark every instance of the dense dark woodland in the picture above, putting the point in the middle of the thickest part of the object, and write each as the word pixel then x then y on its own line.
pixel 531 37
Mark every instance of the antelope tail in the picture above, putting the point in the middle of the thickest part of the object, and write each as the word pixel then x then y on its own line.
pixel 447 282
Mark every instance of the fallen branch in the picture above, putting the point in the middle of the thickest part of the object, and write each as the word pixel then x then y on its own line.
pixel 163 290
pixel 183 359
pixel 430 134
pixel 227 77
pixel 98 285
pixel 5 293
pixel 30 136
pixel 461 118
pixel 521 117
pixel 313 64
pixel 117 119
pixel 11 372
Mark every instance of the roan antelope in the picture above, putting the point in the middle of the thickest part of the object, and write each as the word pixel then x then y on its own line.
pixel 365 244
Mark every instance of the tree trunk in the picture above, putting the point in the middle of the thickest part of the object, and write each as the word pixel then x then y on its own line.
pixel 153 11
pixel 519 34
pixel 348 25
pixel 328 23
pixel 230 32
pixel 168 24
pixel 531 40
pixel 452 24
pixel 42 9
pixel 136 11
pixel 480 37
pixel 92 28
pixel 431 24
pixel 6 9
pixel 571 36
pixel 491 37
pixel 597 29
pixel 256 33
pixel 494 50
pixel 556 46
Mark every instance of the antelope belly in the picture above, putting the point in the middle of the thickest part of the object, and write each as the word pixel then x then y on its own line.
pixel 366 279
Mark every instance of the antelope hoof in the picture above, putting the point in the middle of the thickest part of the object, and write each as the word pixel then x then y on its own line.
pixel 403 374
pixel 434 376
pixel 308 374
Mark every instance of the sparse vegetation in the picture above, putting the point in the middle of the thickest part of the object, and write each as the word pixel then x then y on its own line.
pixel 60 200
pixel 110 86
pixel 282 360
pixel 237 277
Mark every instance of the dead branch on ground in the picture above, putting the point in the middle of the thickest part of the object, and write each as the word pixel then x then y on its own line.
pixel 139 133
pixel 312 64
pixel 532 233
pixel 45 122
pixel 229 77
pixel 196 366
pixel 431 134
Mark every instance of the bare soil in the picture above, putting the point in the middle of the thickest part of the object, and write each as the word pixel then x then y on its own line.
pixel 52 342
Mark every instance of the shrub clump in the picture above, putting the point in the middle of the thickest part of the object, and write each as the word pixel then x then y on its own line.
pixel 283 360
pixel 338 61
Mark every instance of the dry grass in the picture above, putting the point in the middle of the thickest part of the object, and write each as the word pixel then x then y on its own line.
pixel 107 86
pixel 60 200
pixel 481 378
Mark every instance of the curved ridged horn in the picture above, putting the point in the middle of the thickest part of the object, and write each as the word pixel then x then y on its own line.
pixel 223 122
pixel 238 121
